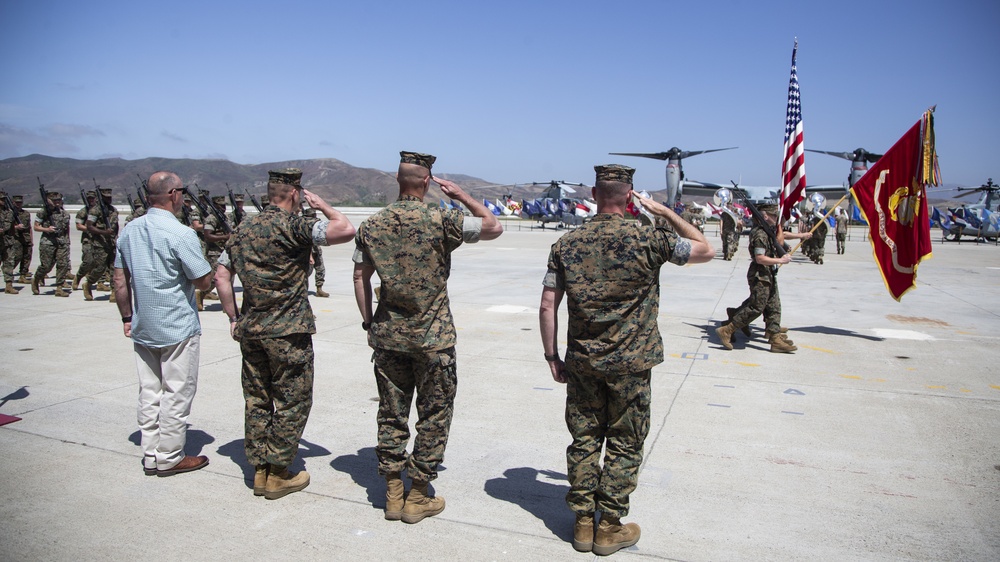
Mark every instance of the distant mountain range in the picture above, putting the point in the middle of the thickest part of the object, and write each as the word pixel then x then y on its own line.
pixel 337 182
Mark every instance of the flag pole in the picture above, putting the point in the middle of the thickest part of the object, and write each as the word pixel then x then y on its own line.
pixel 815 226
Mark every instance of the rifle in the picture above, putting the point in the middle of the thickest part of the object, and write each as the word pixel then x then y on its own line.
pixel 238 213
pixel 210 209
pixel 45 196
pixel 10 205
pixel 131 202
pixel 253 200
pixel 102 205
pixel 779 249
pixel 142 198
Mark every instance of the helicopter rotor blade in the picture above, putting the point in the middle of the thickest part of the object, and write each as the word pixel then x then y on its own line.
pixel 844 155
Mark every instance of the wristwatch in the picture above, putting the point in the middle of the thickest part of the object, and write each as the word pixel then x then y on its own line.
pixel 366 326
pixel 126 319
pixel 553 357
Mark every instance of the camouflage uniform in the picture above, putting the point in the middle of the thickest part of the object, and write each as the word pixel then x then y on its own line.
pixel 270 254
pixel 86 239
pixel 409 245
pixel 16 243
pixel 317 254
pixel 609 270
pixel 53 248
pixel 214 249
pixel 763 281
pixel 137 212
pixel 730 235
pixel 841 233
pixel 102 246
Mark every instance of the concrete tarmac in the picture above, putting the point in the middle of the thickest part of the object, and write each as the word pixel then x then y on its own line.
pixel 877 440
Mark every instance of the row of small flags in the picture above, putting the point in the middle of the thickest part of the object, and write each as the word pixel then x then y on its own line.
pixel 534 207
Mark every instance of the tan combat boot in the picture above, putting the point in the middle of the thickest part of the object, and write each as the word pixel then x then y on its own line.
pixel 583 532
pixel 419 505
pixel 745 329
pixel 211 296
pixel 23 278
pixel 111 297
pixel 60 292
pixel 88 295
pixel 34 285
pixel 199 298
pixel 725 333
pixel 10 290
pixel 76 281
pixel 780 343
pixel 320 292
pixel 260 479
pixel 101 286
pixel 281 482
pixel 393 497
pixel 612 536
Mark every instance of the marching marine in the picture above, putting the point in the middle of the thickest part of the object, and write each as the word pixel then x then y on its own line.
pixel 53 247
pixel 102 224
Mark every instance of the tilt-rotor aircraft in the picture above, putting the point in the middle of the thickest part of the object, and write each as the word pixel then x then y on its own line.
pixel 677 185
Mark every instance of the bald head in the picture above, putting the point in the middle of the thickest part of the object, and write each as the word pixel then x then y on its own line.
pixel 413 179
pixel 163 188
pixel 160 183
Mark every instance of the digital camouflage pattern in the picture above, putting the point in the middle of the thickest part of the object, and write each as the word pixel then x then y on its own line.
pixel 605 406
pixel 614 172
pixel 841 232
pixel 410 245
pixel 277 386
pixel 270 254
pixel 434 377
pixel 15 242
pixel 53 248
pixel 102 246
pixel 764 298
pixel 425 160
pixel 317 253
pixel 86 254
pixel 730 236
pixel 609 269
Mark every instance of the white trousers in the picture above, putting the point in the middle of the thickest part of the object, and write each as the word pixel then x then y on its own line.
pixel 168 378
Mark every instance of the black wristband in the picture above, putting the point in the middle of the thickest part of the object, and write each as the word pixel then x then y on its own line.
pixel 366 326
pixel 553 357
pixel 126 319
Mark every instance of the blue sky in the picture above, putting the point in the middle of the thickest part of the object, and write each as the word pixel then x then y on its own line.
pixel 505 91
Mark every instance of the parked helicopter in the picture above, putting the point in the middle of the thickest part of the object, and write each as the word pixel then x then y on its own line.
pixel 678 186
pixel 557 205
pixel 978 220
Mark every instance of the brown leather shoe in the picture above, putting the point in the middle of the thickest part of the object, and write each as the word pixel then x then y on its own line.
pixel 187 464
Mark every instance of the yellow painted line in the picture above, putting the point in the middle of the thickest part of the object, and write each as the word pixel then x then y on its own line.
pixel 995 386
pixel 748 364
pixel 937 386
pixel 964 390
pixel 852 377
pixel 818 349
pixel 878 380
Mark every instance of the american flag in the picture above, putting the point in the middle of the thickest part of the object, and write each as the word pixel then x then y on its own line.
pixel 793 167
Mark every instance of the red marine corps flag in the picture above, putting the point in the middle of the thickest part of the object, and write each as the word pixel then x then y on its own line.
pixel 793 167
pixel 892 196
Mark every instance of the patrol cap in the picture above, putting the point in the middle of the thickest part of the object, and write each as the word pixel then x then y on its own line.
pixel 769 209
pixel 614 172
pixel 18 198
pixel 265 200
pixel 219 200
pixel 425 160
pixel 238 197
pixel 105 191
pixel 285 176
pixel 55 196
pixel 91 193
